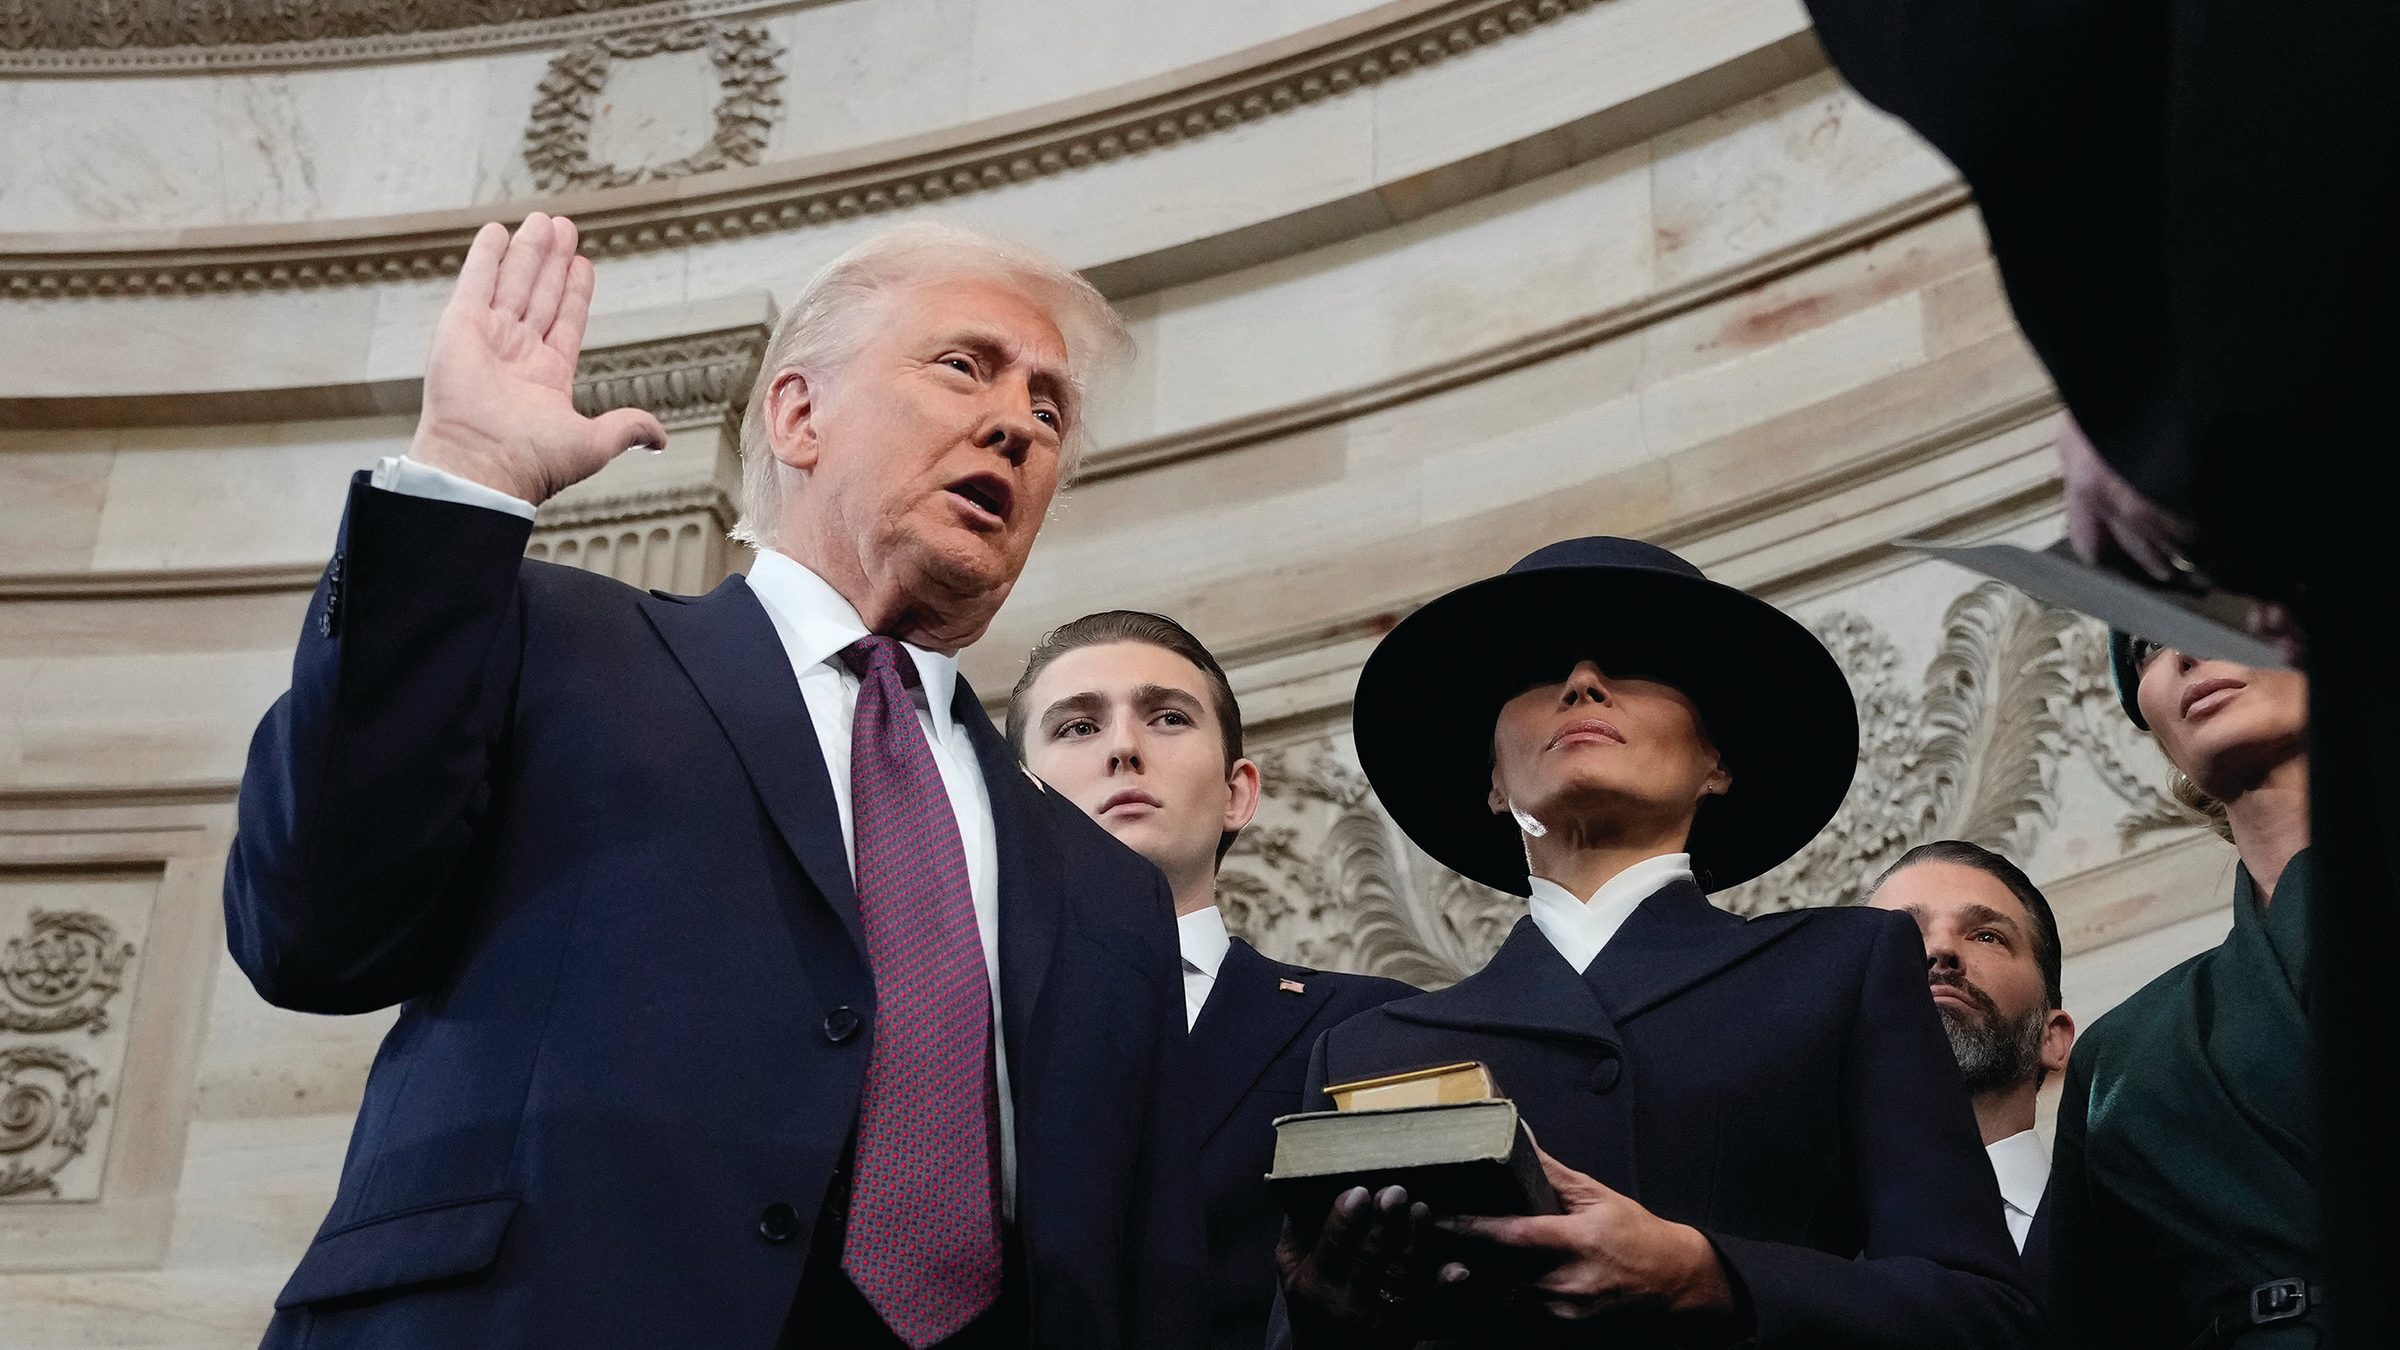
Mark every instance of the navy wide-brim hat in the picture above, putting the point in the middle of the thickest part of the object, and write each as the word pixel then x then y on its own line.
pixel 1771 698
pixel 2125 673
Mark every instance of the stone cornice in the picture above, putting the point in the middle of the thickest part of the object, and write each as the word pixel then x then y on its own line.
pixel 1146 117
pixel 116 37
pixel 680 380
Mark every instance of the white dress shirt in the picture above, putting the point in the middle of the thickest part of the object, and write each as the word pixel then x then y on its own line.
pixel 815 623
pixel 1579 928
pixel 1202 936
pixel 2023 1166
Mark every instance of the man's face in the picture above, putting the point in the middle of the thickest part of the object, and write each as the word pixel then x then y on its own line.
pixel 932 453
pixel 1126 731
pixel 1590 747
pixel 1986 980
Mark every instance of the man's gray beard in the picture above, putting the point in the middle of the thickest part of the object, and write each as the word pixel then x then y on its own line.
pixel 1996 1053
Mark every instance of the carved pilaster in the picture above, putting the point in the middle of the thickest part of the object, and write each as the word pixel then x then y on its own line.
pixel 684 381
pixel 667 539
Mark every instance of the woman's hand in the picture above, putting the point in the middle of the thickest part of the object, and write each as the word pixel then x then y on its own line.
pixel 1605 1254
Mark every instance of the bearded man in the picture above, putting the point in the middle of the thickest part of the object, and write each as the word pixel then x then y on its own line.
pixel 1992 961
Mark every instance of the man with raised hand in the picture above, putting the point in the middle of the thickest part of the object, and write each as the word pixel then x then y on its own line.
pixel 746 985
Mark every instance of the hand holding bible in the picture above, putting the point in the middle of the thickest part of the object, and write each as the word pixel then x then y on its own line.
pixel 499 405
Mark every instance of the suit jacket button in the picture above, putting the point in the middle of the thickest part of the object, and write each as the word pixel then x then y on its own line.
pixel 1606 1073
pixel 840 1025
pixel 779 1222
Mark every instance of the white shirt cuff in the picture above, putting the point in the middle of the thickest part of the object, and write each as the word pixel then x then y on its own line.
pixel 399 473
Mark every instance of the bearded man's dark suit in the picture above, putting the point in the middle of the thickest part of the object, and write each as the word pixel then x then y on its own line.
pixel 585 837
pixel 1248 1064
pixel 1781 1084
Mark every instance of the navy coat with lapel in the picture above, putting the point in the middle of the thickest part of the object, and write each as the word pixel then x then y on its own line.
pixel 584 837
pixel 1782 1084
pixel 1248 1064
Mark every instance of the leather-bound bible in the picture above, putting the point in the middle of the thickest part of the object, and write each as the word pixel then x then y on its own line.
pixel 1445 1134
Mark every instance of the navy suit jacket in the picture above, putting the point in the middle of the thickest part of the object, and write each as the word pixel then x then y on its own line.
pixel 584 836
pixel 1248 1064
pixel 1781 1084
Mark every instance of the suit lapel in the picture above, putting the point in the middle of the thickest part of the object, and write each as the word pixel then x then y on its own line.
pixel 1032 900
pixel 1526 989
pixel 1672 941
pixel 727 647
pixel 1243 1028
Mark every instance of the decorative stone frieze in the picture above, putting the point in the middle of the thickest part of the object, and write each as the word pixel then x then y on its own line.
pixel 63 37
pixel 744 58
pixel 975 163
pixel 681 380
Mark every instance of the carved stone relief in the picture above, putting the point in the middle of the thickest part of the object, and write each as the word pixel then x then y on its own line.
pixel 1971 747
pixel 699 378
pixel 746 63
pixel 49 1101
pixel 61 973
pixel 58 976
pixel 61 36
pixel 1080 140
pixel 66 972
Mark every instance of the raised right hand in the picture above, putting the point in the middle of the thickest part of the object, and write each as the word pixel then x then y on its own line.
pixel 499 405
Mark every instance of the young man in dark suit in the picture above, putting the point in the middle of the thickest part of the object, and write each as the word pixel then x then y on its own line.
pixel 745 982
pixel 1129 717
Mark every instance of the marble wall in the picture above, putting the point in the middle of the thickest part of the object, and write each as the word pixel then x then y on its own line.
pixel 1395 330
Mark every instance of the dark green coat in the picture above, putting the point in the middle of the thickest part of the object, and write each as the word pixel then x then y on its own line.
pixel 2187 1143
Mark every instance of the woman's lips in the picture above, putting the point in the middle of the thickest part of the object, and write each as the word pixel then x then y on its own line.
pixel 1585 731
pixel 2208 696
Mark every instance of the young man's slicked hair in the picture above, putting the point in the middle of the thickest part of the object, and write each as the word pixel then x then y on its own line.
pixel 1131 625
pixel 2046 952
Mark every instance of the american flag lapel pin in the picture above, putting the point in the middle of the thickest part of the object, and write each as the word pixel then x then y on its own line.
pixel 1291 986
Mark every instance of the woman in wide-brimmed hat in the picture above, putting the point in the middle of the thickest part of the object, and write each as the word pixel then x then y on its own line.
pixel 1734 1113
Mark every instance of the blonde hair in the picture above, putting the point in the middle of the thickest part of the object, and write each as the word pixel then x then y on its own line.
pixel 828 323
pixel 2189 796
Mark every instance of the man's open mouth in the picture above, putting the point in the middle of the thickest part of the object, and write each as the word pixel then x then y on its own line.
pixel 987 493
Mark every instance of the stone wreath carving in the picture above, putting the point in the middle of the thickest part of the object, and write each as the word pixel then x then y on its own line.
pixel 61 974
pixel 749 75
pixel 47 1110
pixel 1969 749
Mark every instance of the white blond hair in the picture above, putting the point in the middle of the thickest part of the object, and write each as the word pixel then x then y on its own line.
pixel 826 326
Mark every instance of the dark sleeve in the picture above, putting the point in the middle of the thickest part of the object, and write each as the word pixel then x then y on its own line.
pixel 1167 1271
pixel 2098 1297
pixel 368 779
pixel 1938 1268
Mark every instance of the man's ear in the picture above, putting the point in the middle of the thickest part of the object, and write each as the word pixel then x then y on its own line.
pixel 1719 781
pixel 2058 1041
pixel 1241 798
pixel 791 410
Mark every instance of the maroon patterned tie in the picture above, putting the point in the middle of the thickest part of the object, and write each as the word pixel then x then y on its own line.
pixel 924 1240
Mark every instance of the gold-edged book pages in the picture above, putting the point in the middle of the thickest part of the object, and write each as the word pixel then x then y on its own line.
pixel 1442 1085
